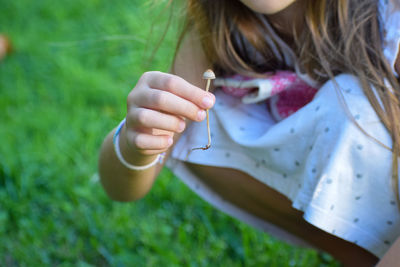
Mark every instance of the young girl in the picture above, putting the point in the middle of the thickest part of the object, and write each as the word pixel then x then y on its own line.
pixel 305 127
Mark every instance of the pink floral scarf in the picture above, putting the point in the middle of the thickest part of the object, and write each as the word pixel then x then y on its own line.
pixel 283 91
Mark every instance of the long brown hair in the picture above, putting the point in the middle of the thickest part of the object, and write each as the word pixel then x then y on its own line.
pixel 341 36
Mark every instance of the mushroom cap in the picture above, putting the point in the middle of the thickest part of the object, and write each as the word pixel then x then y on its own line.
pixel 209 74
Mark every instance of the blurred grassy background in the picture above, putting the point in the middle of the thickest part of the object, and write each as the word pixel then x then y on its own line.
pixel 61 91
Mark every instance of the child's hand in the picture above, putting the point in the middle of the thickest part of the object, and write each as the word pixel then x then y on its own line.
pixel 157 107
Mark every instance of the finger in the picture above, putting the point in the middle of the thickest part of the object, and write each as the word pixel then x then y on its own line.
pixel 154 131
pixel 178 86
pixel 148 118
pixel 143 141
pixel 172 104
pixel 130 136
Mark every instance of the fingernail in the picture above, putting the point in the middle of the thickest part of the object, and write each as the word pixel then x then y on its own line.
pixel 201 115
pixel 170 141
pixel 207 102
pixel 181 126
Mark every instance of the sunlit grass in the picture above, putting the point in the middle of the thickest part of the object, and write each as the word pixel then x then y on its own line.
pixel 61 91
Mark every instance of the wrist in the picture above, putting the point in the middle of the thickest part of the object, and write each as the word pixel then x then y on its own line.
pixel 130 154
pixel 117 149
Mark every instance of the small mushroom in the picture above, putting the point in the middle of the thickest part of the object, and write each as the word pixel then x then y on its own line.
pixel 209 75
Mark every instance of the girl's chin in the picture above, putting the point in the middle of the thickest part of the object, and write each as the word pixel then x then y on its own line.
pixel 267 7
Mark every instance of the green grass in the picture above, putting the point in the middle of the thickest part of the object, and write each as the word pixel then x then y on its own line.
pixel 61 91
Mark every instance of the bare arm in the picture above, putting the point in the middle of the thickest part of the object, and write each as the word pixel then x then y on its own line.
pixel 156 108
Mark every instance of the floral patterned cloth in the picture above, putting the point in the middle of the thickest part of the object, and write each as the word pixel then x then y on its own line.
pixel 283 91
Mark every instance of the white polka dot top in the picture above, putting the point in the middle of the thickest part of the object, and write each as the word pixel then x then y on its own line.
pixel 317 157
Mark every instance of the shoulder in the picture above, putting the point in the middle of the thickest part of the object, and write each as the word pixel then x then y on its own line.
pixel 190 60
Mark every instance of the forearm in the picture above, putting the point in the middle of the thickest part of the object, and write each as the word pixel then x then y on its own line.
pixel 392 257
pixel 121 183
pixel 157 106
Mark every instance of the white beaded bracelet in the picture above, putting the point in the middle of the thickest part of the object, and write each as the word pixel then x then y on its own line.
pixel 158 159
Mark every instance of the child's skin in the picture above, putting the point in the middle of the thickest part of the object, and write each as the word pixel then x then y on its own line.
pixel 268 7
pixel 156 95
pixel 158 109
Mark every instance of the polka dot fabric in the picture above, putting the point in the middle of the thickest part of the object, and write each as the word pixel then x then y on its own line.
pixel 311 151
pixel 318 157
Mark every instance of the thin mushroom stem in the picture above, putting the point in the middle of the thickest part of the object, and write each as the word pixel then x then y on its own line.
pixel 208 75
pixel 208 119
